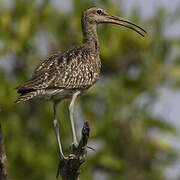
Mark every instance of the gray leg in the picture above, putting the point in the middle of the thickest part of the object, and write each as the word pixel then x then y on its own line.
pixel 56 129
pixel 71 111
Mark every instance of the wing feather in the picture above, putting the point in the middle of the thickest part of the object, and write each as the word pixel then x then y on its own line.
pixel 69 69
pixel 43 75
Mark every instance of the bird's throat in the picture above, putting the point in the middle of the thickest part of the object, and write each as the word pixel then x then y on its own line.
pixel 90 36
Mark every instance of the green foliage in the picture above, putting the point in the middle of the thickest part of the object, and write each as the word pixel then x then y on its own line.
pixel 120 127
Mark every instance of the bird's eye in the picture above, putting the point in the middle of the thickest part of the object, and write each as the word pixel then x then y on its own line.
pixel 99 12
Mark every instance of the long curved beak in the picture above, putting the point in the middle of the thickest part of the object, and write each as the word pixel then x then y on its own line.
pixel 125 23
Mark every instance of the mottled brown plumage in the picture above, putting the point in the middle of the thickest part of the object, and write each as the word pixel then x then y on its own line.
pixel 69 73
pixel 78 68
pixel 62 74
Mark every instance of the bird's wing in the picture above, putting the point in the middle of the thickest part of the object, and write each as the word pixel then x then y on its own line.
pixel 43 75
pixel 67 69
pixel 53 72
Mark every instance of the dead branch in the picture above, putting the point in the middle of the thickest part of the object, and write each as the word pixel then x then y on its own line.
pixel 3 158
pixel 69 166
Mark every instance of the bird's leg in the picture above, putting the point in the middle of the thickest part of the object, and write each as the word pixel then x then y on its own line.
pixel 56 129
pixel 71 111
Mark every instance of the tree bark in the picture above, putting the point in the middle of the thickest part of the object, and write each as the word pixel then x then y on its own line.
pixel 3 158
pixel 69 167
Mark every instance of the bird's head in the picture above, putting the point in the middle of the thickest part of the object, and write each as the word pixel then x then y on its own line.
pixel 96 15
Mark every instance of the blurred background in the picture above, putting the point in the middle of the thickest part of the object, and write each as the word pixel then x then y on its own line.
pixel 133 110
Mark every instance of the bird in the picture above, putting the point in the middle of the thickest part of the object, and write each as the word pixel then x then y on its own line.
pixel 70 73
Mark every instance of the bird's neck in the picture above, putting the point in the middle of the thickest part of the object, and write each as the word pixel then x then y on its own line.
pixel 90 36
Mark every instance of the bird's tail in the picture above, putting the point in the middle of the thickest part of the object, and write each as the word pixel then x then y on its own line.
pixel 27 96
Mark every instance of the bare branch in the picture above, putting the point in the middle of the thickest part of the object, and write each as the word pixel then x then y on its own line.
pixel 69 167
pixel 3 158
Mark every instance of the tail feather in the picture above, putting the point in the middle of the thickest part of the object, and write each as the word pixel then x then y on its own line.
pixel 27 96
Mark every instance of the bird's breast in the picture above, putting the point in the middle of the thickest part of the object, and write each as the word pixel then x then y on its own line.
pixel 78 68
pixel 89 71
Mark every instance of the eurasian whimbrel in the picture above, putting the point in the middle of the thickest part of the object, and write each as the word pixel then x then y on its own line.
pixel 69 73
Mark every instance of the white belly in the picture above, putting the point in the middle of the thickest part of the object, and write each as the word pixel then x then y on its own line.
pixel 58 94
